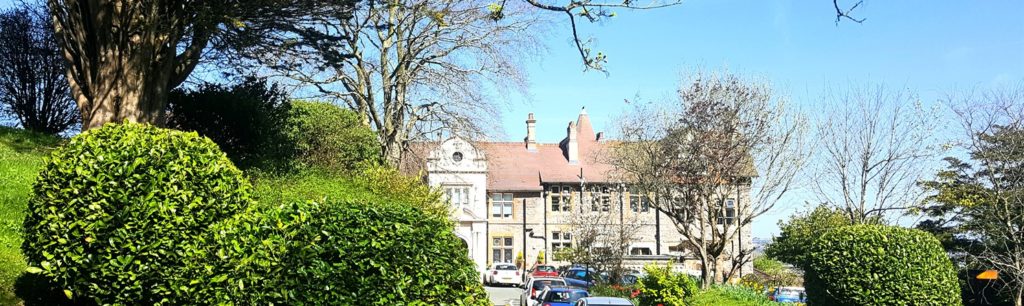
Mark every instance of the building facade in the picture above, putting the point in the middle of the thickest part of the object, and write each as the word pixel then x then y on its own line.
pixel 512 198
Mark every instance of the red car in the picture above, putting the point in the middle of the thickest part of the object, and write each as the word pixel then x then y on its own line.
pixel 544 271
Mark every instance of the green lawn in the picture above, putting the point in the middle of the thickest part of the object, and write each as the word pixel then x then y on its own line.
pixel 21 156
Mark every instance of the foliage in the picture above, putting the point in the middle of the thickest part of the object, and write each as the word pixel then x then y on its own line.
pixel 879 265
pixel 730 295
pixel 773 273
pixel 21 158
pixel 797 234
pixel 615 290
pixel 114 209
pixel 329 137
pixel 663 286
pixel 974 207
pixel 34 86
pixel 246 119
pixel 366 250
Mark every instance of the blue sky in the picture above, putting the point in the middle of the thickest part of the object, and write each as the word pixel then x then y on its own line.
pixel 931 47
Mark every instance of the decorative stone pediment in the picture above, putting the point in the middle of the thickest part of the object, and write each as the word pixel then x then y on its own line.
pixel 456 155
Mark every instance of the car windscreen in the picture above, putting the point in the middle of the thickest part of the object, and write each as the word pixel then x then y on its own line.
pixel 546 268
pixel 505 267
pixel 564 296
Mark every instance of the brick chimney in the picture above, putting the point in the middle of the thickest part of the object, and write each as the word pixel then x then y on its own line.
pixel 531 134
pixel 572 148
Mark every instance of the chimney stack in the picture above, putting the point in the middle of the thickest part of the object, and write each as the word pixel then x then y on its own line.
pixel 573 147
pixel 531 135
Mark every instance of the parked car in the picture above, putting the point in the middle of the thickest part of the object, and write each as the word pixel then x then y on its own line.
pixel 536 285
pixel 560 296
pixel 502 274
pixel 603 301
pixel 580 277
pixel 788 295
pixel 544 271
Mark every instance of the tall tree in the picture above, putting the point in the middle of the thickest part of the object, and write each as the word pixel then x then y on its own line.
pixel 726 139
pixel 603 228
pixel 977 206
pixel 874 146
pixel 418 67
pixel 33 88
pixel 125 56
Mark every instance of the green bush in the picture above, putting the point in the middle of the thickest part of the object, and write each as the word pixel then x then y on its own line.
pixel 246 119
pixel 362 251
pixel 114 211
pixel 880 265
pixel 329 137
pixel 662 286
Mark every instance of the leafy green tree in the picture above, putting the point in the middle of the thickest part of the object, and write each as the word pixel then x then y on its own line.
pixel 799 232
pixel 976 208
pixel 328 137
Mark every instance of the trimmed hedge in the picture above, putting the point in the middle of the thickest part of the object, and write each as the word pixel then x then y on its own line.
pixel 114 210
pixel 360 251
pixel 880 265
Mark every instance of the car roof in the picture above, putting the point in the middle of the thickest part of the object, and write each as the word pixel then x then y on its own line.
pixel 565 288
pixel 603 300
pixel 546 278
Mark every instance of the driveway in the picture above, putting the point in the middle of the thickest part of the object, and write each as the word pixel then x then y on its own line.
pixel 502 296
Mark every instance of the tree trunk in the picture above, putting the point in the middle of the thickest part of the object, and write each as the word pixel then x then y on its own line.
pixel 705 272
pixel 135 99
pixel 123 57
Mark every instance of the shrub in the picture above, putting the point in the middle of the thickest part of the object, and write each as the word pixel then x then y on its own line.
pixel 113 211
pixel 247 120
pixel 329 137
pixel 662 286
pixel 880 265
pixel 367 250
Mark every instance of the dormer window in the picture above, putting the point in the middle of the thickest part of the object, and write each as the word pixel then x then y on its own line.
pixel 457 156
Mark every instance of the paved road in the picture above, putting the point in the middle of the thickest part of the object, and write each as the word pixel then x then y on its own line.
pixel 502 296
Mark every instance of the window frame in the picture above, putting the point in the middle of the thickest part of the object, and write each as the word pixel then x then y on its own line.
pixel 729 216
pixel 505 247
pixel 499 205
pixel 564 240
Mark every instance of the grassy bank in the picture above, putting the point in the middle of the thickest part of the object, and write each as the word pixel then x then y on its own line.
pixel 21 156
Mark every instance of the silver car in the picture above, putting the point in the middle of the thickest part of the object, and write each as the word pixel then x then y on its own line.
pixel 603 301
pixel 534 286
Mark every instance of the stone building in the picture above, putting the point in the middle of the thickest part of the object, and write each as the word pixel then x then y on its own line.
pixel 501 192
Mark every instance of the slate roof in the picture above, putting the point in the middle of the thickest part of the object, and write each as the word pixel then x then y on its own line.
pixel 511 167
